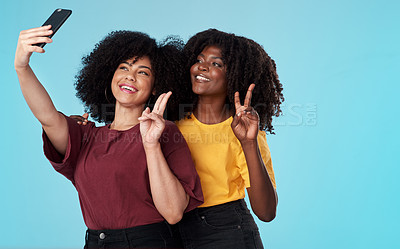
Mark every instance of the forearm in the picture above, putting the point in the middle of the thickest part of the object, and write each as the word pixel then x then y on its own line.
pixel 169 196
pixel 262 194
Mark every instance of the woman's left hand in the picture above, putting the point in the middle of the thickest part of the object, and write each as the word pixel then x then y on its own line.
pixel 152 123
pixel 246 120
pixel 82 120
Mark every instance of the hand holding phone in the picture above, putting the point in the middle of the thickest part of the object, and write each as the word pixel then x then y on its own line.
pixel 33 40
pixel 56 19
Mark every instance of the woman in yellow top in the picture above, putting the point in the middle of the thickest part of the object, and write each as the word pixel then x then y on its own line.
pixel 227 139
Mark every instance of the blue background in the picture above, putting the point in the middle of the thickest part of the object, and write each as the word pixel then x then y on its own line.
pixel 334 151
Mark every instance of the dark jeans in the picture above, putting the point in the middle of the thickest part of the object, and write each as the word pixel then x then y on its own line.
pixel 225 226
pixel 158 235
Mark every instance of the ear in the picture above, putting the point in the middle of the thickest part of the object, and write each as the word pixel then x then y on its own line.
pixel 153 92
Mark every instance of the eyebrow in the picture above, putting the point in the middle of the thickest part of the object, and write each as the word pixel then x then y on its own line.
pixel 213 57
pixel 140 66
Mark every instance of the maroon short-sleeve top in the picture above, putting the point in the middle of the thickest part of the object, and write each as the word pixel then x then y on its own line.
pixel 109 170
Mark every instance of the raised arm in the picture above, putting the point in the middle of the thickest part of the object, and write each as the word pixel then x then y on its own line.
pixel 37 98
pixel 262 194
pixel 168 194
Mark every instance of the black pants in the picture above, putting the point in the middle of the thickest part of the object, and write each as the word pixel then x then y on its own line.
pixel 158 235
pixel 225 226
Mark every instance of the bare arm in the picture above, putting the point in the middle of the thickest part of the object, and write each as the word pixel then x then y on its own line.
pixel 168 194
pixel 37 98
pixel 262 194
pixel 169 197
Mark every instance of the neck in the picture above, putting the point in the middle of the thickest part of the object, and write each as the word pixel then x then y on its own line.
pixel 211 110
pixel 126 117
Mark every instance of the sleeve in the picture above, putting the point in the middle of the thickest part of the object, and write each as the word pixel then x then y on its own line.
pixel 266 157
pixel 179 159
pixel 65 164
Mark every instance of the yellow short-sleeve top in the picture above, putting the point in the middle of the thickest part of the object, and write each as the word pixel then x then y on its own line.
pixel 219 159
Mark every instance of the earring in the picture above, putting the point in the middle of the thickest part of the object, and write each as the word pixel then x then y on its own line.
pixel 105 94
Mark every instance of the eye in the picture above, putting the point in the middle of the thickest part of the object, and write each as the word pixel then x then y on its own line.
pixel 198 60
pixel 217 64
pixel 123 68
pixel 144 73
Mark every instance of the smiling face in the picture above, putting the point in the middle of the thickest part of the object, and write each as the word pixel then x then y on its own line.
pixel 133 82
pixel 208 74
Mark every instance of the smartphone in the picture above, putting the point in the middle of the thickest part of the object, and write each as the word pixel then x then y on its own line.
pixel 56 19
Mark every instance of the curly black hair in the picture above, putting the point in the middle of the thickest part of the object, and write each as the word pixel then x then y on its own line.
pixel 93 81
pixel 246 63
pixel 170 67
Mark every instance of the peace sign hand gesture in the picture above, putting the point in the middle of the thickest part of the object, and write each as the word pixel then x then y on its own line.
pixel 246 120
pixel 152 123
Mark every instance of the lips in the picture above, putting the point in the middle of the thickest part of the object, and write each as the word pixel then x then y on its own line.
pixel 202 78
pixel 127 88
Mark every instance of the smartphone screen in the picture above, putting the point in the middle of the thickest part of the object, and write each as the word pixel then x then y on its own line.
pixel 56 19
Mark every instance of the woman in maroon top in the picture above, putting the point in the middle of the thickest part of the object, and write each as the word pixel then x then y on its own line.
pixel 134 176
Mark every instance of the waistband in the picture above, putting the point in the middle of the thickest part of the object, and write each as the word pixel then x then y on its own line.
pixel 239 202
pixel 129 233
pixel 238 205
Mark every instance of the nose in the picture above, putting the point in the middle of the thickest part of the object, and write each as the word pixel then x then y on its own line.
pixel 130 77
pixel 203 67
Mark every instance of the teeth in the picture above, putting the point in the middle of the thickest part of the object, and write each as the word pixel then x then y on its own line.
pixel 202 78
pixel 127 88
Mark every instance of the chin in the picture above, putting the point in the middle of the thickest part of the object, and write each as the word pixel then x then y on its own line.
pixel 196 90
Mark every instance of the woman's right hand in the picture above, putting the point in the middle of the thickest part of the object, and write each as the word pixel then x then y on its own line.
pixel 25 46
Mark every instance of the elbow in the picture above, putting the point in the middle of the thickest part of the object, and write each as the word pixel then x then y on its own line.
pixel 176 213
pixel 269 212
pixel 267 216
pixel 173 218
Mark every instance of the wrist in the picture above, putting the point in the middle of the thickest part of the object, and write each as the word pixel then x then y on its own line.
pixel 252 143
pixel 21 69
pixel 150 147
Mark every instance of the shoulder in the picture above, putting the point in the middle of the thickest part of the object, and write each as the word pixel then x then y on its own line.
pixel 169 124
pixel 80 132
pixel 172 135
pixel 187 120
pixel 262 135
pixel 262 140
pixel 262 143
pixel 170 127
pixel 74 123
